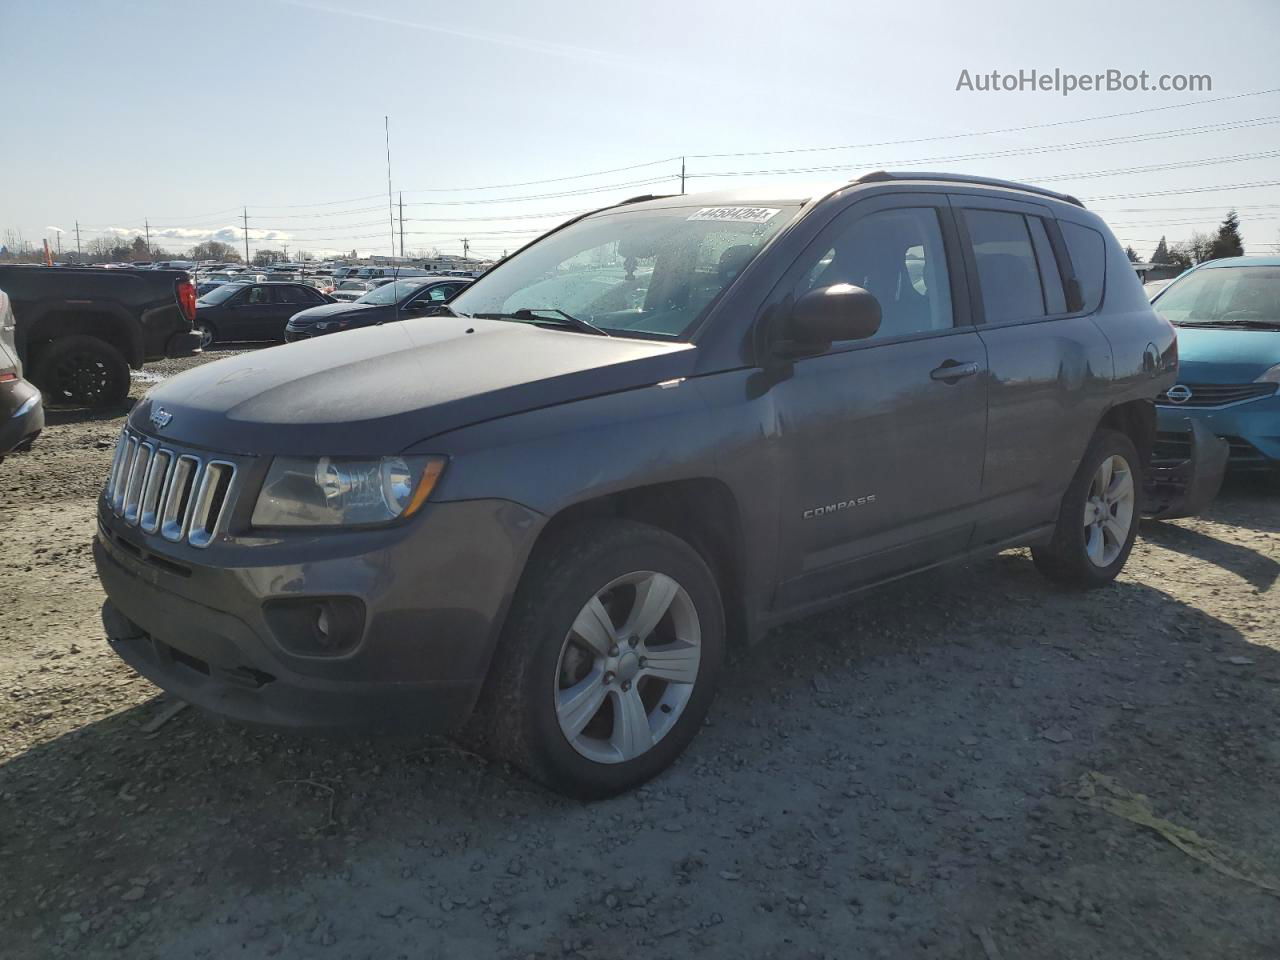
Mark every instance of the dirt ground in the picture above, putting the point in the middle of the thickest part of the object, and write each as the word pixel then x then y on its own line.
pixel 913 775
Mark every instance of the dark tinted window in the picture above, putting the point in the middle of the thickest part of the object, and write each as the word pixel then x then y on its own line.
pixel 1055 298
pixel 1008 273
pixel 1088 251
pixel 294 295
pixel 898 256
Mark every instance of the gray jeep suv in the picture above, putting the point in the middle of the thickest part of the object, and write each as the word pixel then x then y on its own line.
pixel 663 428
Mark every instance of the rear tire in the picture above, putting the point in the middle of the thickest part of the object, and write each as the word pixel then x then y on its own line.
pixel 208 333
pixel 81 370
pixel 608 661
pixel 1098 519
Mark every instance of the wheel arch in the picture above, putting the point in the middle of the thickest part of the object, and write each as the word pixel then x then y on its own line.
pixel 1137 420
pixel 99 320
pixel 702 512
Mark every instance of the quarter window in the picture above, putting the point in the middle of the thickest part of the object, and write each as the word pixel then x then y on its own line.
pixel 1088 252
pixel 898 256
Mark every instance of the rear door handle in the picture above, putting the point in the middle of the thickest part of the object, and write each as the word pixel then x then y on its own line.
pixel 953 370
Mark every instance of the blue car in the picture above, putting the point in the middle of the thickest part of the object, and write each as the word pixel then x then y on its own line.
pixel 1228 317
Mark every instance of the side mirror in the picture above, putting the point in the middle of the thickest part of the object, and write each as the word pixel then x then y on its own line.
pixel 829 314
pixel 418 306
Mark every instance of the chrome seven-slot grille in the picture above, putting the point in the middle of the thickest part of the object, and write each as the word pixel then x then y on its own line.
pixel 179 495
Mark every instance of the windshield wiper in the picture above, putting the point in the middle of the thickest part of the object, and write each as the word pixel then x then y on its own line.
pixel 530 315
pixel 1248 324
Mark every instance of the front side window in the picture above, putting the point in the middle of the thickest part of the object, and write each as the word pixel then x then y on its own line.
pixel 650 272
pixel 1008 272
pixel 898 256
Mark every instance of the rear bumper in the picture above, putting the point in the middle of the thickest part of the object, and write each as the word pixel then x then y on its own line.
pixel 183 344
pixel 21 415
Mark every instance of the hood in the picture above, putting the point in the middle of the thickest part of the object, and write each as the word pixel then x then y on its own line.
pixel 1225 356
pixel 381 389
pixel 331 311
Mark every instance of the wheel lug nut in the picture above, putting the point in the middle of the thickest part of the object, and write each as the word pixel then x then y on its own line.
pixel 633 641
pixel 613 651
pixel 626 684
pixel 608 677
pixel 644 662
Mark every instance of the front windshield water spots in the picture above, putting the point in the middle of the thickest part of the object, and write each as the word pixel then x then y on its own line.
pixel 1223 295
pixel 646 271
pixel 390 292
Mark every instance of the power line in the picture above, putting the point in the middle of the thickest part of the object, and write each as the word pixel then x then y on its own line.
pixel 1185 190
pixel 1010 152
pixel 985 133
pixel 1158 167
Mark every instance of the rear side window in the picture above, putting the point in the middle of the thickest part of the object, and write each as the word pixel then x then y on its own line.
pixel 1088 249
pixel 1008 273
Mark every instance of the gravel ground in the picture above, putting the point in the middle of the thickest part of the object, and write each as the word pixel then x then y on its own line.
pixel 913 775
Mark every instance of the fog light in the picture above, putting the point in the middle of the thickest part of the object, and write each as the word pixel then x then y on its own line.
pixel 316 626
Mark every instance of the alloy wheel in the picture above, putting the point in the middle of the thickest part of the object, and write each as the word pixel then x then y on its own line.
pixel 1109 511
pixel 628 667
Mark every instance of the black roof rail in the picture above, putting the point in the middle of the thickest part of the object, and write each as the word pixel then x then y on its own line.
pixel 877 176
pixel 645 196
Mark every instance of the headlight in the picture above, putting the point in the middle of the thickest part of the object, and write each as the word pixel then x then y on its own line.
pixel 344 491
pixel 1271 376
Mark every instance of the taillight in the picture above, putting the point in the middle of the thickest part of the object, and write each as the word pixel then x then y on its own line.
pixel 187 299
pixel 7 375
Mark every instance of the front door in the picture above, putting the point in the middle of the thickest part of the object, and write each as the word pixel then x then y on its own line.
pixel 884 437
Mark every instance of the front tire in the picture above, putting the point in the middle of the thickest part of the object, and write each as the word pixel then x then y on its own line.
pixel 1098 519
pixel 608 662
pixel 81 370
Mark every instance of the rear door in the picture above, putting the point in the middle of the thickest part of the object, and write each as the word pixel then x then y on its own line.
pixel 883 438
pixel 1050 365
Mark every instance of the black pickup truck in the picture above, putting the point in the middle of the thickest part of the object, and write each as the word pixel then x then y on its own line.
pixel 80 330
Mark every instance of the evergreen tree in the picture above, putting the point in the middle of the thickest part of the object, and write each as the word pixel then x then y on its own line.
pixel 1228 242
pixel 1162 253
pixel 1132 254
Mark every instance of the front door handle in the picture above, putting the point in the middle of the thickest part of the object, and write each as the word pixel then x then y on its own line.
pixel 953 370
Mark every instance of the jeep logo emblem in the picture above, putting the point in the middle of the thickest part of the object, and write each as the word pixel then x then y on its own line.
pixel 160 418
pixel 1179 393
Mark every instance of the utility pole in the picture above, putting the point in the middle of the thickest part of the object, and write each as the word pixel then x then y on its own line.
pixel 58 235
pixel 77 240
pixel 466 246
pixel 682 176
pixel 386 122
pixel 147 225
pixel 246 236
pixel 402 225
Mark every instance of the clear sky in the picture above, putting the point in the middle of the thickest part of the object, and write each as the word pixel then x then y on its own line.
pixel 184 113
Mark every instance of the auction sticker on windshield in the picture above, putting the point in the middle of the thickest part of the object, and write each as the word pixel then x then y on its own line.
pixel 736 214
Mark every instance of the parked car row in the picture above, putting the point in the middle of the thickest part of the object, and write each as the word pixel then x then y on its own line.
pixel 293 311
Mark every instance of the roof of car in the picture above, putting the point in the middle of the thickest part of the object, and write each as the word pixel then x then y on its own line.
pixel 803 193
pixel 1241 262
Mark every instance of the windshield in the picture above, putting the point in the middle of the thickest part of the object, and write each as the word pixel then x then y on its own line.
pixel 1223 295
pixel 390 292
pixel 224 291
pixel 639 271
